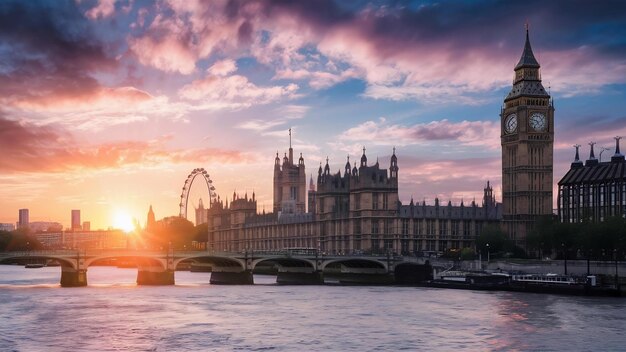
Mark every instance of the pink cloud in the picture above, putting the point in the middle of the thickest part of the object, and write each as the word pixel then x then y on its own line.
pixel 167 53
pixel 401 53
pixel 223 67
pixel 448 179
pixel 317 79
pixel 97 108
pixel 31 148
pixel 103 9
pixel 184 32
pixel 472 133
pixel 235 90
pixel 88 99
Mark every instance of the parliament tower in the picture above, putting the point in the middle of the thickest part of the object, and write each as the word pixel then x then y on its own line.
pixel 289 184
pixel 527 139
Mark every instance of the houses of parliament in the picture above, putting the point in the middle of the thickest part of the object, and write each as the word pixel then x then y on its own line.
pixel 358 210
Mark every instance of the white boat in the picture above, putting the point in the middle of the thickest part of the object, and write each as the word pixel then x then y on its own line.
pixel 544 279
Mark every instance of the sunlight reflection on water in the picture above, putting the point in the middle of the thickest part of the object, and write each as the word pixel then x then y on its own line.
pixel 113 314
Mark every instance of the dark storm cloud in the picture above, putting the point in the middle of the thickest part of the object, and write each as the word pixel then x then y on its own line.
pixel 601 24
pixel 47 50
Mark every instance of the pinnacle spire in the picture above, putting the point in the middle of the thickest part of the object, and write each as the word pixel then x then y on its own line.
pixel 528 58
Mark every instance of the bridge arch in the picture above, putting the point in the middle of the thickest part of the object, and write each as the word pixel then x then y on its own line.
pixel 217 260
pixel 143 260
pixel 356 263
pixel 65 262
pixel 285 262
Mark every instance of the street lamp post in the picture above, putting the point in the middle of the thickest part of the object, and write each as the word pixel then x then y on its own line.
pixel 564 257
pixel 616 275
pixel 488 254
pixel 603 149
pixel 588 255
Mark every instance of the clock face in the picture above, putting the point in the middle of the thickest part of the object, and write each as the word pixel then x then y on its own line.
pixel 538 122
pixel 510 124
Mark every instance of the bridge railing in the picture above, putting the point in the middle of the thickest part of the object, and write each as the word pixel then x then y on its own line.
pixel 37 253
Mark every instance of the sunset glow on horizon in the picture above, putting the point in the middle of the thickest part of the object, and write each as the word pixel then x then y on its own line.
pixel 107 106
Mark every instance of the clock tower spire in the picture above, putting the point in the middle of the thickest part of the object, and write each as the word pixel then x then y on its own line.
pixel 527 139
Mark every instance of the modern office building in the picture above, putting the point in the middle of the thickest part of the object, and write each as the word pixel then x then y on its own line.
pixel 23 220
pixel 7 227
pixel 45 226
pixel 76 220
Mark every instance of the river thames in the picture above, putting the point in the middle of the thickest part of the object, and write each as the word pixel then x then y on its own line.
pixel 113 314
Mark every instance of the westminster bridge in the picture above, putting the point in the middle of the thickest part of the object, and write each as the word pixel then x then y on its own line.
pixel 293 267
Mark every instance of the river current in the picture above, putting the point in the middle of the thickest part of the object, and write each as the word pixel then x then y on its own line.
pixel 113 314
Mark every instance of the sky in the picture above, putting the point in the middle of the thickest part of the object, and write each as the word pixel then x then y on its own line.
pixel 107 106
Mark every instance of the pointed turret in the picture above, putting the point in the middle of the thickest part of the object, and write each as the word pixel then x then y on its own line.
pixel 618 156
pixel 363 159
pixel 528 58
pixel 347 168
pixel 311 184
pixel 393 168
pixel 577 162
pixel 290 149
pixel 592 156
pixel 527 80
pixel 327 168
pixel 150 224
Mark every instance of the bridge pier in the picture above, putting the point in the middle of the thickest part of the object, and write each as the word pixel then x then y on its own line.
pixel 71 277
pixel 294 276
pixel 413 273
pixel 155 278
pixel 149 275
pixel 231 277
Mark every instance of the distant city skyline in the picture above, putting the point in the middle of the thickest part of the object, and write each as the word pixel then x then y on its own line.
pixel 107 106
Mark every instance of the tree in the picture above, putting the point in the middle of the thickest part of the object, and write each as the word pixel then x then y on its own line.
pixel 494 237
pixel 202 233
pixel 18 240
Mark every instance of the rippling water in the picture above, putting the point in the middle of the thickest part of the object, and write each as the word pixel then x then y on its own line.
pixel 113 314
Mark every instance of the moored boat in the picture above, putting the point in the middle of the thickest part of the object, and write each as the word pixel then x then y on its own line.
pixel 33 266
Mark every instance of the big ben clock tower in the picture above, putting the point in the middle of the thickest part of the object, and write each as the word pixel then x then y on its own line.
pixel 527 139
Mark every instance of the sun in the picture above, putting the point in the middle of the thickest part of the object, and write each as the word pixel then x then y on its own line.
pixel 123 221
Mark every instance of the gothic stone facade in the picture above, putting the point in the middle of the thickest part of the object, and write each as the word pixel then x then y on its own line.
pixel 527 138
pixel 289 184
pixel 357 212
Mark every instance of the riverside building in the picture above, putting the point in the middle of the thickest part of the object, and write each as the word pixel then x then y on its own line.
pixel 594 190
pixel 355 212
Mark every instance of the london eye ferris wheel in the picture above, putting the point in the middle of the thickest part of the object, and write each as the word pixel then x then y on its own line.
pixel 184 196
